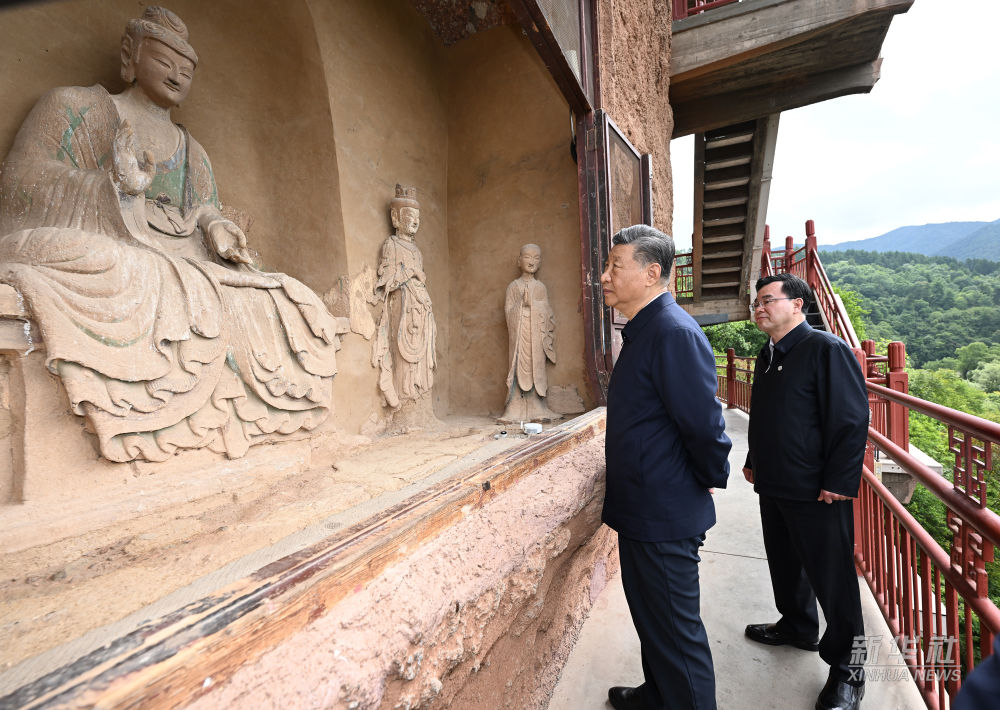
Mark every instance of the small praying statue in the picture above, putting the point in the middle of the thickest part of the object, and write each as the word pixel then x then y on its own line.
pixel 531 331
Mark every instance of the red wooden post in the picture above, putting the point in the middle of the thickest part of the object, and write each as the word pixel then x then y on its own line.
pixel 789 248
pixel 812 275
pixel 869 461
pixel 730 378
pixel 869 347
pixel 765 253
pixel 680 9
pixel 898 380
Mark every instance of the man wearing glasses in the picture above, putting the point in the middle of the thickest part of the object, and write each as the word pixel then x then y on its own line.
pixel 808 427
pixel 665 448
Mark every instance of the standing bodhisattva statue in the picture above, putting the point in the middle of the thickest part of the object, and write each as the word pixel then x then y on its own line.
pixel 531 337
pixel 163 333
pixel 403 350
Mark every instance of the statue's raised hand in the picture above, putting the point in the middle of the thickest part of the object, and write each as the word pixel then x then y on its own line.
pixel 132 173
pixel 228 240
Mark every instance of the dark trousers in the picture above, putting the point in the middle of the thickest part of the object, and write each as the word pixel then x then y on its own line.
pixel 810 553
pixel 661 586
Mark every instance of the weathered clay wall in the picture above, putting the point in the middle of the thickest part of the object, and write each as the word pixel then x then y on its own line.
pixel 483 616
pixel 635 78
pixel 511 180
pixel 387 93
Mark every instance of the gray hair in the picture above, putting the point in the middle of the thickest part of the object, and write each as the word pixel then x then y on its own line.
pixel 651 246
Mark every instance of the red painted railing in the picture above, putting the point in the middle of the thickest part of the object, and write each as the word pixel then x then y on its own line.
pixel 936 602
pixel 735 376
pixel 804 263
pixel 686 8
pixel 683 276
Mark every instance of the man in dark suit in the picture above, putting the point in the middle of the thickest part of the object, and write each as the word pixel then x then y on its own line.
pixel 808 427
pixel 665 449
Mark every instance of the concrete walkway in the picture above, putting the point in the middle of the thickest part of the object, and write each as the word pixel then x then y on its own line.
pixel 736 591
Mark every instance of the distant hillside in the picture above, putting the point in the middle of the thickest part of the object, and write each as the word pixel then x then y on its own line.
pixel 929 239
pixel 983 243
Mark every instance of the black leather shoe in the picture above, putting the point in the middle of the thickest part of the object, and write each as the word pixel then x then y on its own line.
pixel 838 695
pixel 622 698
pixel 772 636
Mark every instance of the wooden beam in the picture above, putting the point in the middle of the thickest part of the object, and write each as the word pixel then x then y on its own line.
pixel 761 28
pixel 536 26
pixel 762 165
pixel 720 310
pixel 723 109
pixel 699 209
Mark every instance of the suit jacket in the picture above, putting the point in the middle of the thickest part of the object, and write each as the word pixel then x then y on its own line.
pixel 666 443
pixel 808 417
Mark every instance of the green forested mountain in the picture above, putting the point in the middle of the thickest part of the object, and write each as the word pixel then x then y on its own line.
pixel 984 243
pixel 961 240
pixel 933 304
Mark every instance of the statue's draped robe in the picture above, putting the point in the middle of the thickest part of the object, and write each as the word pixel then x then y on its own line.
pixel 160 344
pixel 404 348
pixel 531 335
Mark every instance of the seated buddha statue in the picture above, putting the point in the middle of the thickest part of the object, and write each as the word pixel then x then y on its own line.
pixel 163 332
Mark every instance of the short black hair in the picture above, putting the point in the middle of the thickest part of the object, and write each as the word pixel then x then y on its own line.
pixel 651 246
pixel 791 285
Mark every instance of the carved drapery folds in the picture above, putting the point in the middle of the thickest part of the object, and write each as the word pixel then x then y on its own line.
pixel 404 347
pixel 531 342
pixel 163 333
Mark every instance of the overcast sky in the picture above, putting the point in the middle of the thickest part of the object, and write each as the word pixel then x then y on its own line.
pixel 922 147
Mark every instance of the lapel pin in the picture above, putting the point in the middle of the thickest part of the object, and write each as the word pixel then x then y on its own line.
pixel 779 368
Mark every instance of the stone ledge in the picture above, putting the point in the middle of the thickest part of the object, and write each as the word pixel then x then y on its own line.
pixel 173 659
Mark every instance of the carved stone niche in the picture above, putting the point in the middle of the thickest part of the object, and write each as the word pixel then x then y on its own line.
pixel 164 334
pixel 55 457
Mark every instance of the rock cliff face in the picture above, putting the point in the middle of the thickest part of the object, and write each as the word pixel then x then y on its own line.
pixel 635 79
pixel 482 616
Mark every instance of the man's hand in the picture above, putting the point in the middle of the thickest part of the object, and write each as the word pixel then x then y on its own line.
pixel 828 497
pixel 748 474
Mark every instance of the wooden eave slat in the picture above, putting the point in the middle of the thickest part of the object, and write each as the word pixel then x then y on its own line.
pixel 725 230
pixel 727 162
pixel 722 239
pixel 713 204
pixel 729 152
pixel 716 215
pixel 724 141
